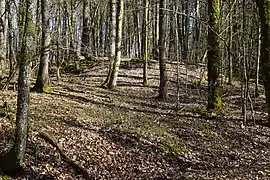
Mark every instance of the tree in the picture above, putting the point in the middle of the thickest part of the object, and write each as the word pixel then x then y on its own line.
pixel 163 94
pixel 3 30
pixel 42 81
pixel 185 30
pixel 230 32
pixel 146 44
pixel 214 98
pixel 113 37
pixel 112 80
pixel 264 13
pixel 13 159
pixel 85 30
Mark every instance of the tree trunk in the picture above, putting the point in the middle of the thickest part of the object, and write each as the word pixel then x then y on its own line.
pixel 264 12
pixel 3 32
pixel 178 59
pixel 163 94
pixel 197 35
pixel 185 31
pixel 214 98
pixel 116 64
pixel 146 44
pixel 11 48
pixel 138 45
pixel 58 53
pixel 258 65
pixel 42 81
pixel 156 32
pixel 111 57
pixel 85 30
pixel 230 32
pixel 14 158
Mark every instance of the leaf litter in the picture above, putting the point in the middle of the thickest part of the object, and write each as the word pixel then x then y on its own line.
pixel 129 134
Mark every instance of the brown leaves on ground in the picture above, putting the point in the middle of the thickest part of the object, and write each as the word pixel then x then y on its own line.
pixel 128 134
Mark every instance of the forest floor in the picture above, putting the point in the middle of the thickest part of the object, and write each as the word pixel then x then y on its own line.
pixel 129 134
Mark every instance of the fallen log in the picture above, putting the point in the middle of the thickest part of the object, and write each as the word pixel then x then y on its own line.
pixel 72 163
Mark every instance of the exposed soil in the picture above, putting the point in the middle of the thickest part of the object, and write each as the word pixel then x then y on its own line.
pixel 129 134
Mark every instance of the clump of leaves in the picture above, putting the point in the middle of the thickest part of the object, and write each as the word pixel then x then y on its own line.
pixel 203 111
pixel 2 112
pixel 212 113
pixel 176 148
pixel 4 177
pixel 209 133
pixel 6 111
pixel 47 89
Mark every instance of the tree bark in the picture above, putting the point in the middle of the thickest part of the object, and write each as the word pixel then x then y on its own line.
pixel 230 32
pixel 146 44
pixel 113 10
pixel 214 98
pixel 258 64
pixel 163 94
pixel 116 64
pixel 185 31
pixel 14 158
pixel 3 31
pixel 264 12
pixel 85 30
pixel 42 81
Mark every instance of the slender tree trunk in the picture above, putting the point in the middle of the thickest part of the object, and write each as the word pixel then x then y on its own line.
pixel 58 53
pixel 258 65
pixel 214 98
pixel 3 30
pixel 14 158
pixel 185 31
pixel 129 38
pixel 37 26
pixel 72 43
pixel 177 56
pixel 85 30
pixel 230 57
pixel 113 10
pixel 11 39
pixel 163 94
pixel 58 76
pixel 156 32
pixel 245 84
pixel 42 81
pixel 196 36
pixel 146 44
pixel 137 33
pixel 101 36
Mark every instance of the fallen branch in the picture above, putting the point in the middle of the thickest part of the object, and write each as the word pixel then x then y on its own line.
pixel 53 142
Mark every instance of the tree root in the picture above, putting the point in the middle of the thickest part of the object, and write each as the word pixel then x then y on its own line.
pixel 73 164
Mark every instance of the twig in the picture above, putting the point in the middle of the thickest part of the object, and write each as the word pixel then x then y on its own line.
pixel 53 142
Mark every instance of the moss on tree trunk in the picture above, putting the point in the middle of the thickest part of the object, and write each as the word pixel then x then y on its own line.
pixel 42 82
pixel 214 98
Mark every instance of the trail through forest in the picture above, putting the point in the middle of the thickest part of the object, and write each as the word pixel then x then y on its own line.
pixel 129 134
